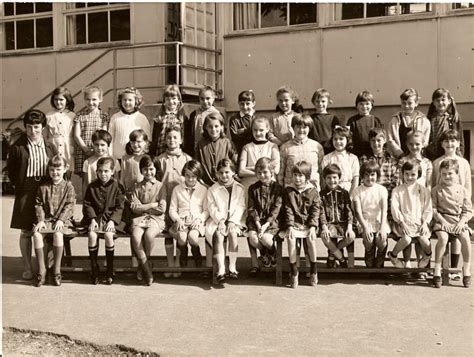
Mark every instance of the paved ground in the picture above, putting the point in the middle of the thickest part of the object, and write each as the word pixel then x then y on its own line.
pixel 350 315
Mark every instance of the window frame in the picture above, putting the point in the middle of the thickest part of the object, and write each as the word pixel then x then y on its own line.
pixel 451 9
pixel 397 16
pixel 91 10
pixel 277 27
pixel 23 17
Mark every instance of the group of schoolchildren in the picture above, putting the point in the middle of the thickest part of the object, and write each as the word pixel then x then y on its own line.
pixel 293 174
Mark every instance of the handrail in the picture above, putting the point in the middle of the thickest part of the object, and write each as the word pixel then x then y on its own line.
pixel 115 68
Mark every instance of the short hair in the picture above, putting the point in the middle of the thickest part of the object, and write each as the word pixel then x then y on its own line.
pixel 449 135
pixel 287 89
pixel 92 89
pixel 410 165
pixel 332 169
pixel 57 161
pixel 302 120
pixel 246 95
pixel 263 163
pixel 414 134
pixel 130 90
pixel 66 94
pixel 106 161
pixel 172 90
pixel 208 118
pixel 447 164
pixel 302 167
pixel 33 117
pixel 260 120
pixel 342 131
pixel 206 89
pixel 410 92
pixel 102 135
pixel 225 163
pixel 321 93
pixel 374 132
pixel 138 133
pixel 146 161
pixel 194 167
pixel 368 167
pixel 173 128
pixel 364 96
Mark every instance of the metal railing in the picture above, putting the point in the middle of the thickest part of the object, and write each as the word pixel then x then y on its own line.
pixel 114 69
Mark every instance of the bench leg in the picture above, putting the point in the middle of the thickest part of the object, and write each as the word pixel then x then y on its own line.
pixel 67 252
pixel 446 264
pixel 279 262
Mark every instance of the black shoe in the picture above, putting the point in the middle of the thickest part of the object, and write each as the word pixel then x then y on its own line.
pixel 331 263
pixel 94 279
pixel 343 263
pixel 221 279
pixel 57 279
pixel 40 280
pixel 466 281
pixel 437 281
pixel 109 280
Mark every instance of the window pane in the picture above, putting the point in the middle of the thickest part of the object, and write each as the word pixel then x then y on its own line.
pixel 414 8
pixel 245 16
pixel 302 13
pixel 273 14
pixel 24 8
pixel 375 10
pixel 24 34
pixel 120 25
pixel 43 7
pixel 463 5
pixel 98 27
pixel 91 4
pixel 76 29
pixel 9 35
pixel 352 11
pixel 8 9
pixel 44 32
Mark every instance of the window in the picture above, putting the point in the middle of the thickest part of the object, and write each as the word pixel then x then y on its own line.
pixel 262 15
pixel 88 23
pixel 362 10
pixel 462 5
pixel 27 25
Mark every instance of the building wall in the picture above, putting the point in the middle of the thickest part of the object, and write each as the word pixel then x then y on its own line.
pixel 384 58
pixel 28 76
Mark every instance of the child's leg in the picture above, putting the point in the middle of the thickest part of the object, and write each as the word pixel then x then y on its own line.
pixel 407 256
pixel 466 253
pixel 149 237
pixel 219 254
pixel 254 244
pixel 402 243
pixel 328 242
pixel 137 244
pixel 425 245
pixel 193 239
pixel 93 253
pixel 25 249
pixel 181 248
pixel 169 248
pixel 439 251
pixel 233 249
pixel 292 255
pixel 455 253
pixel 382 245
pixel 209 254
pixel 58 245
pixel 311 248
pixel 40 256
pixel 109 255
pixel 349 243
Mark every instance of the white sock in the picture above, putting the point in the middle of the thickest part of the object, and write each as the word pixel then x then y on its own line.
pixel 437 269
pixel 466 268
pixel 232 261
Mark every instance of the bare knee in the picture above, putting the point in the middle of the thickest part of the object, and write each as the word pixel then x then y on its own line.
pixel 109 239
pixel 58 240
pixel 193 237
pixel 38 240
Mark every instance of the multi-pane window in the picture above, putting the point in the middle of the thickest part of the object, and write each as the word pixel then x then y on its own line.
pixel 363 10
pixel 97 22
pixel 27 25
pixel 462 5
pixel 262 15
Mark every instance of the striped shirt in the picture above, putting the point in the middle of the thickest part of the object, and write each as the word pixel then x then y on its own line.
pixel 38 159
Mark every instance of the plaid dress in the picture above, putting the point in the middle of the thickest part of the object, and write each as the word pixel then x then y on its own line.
pixel 89 124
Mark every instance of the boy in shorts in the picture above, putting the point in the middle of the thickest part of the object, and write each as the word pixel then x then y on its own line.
pixel 102 210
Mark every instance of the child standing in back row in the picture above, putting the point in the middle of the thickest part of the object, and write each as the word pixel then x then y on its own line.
pixel 443 116
pixel 361 123
pixel 280 122
pixel 59 124
pixel 86 123
pixel 194 127
pixel 171 114
pixel 127 120
pixel 409 119
pixel 240 124
pixel 323 122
